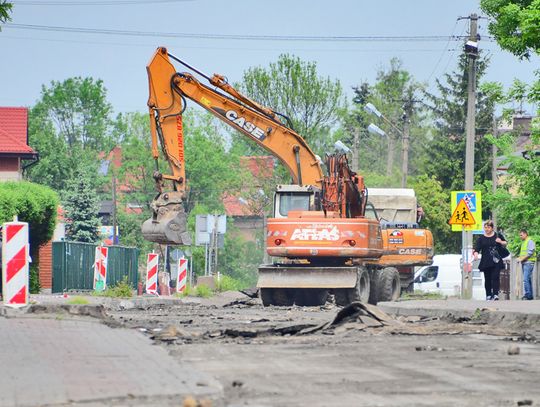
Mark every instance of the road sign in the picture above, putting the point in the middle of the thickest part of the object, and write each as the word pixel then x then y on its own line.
pixel 473 199
pixel 152 264
pixel 462 215
pixel 100 268
pixel 15 263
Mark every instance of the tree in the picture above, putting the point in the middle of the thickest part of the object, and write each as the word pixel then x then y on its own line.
pixel 515 25
pixel 82 204
pixel 69 127
pixel 445 154
pixel 5 10
pixel 436 204
pixel 293 88
pixel 394 94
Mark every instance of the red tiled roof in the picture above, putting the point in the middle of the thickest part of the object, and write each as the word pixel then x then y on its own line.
pixel 13 130
pixel 260 167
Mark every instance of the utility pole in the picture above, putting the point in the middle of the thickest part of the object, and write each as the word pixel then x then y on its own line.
pixel 356 150
pixel 471 47
pixel 114 234
pixel 494 167
pixel 405 148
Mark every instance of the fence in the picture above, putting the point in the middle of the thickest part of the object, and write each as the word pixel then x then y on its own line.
pixel 516 281
pixel 73 265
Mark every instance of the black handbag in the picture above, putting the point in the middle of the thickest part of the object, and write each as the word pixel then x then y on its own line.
pixel 502 250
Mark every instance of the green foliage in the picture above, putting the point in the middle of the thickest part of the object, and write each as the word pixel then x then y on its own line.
pixel 515 25
pixel 69 126
pixel 393 94
pixel 445 153
pixel 436 204
pixel 518 193
pixel 121 289
pixel 5 10
pixel 293 88
pixel 203 291
pixel 227 283
pixel 81 204
pixel 34 285
pixel 32 203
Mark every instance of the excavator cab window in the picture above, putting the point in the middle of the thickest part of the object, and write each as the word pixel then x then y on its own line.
pixel 293 201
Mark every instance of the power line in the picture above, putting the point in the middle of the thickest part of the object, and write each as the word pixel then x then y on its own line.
pixel 372 38
pixel 92 3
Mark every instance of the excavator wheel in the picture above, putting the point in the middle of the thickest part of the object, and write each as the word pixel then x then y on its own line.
pixel 311 297
pixel 389 284
pixel 344 296
pixel 374 286
pixel 277 296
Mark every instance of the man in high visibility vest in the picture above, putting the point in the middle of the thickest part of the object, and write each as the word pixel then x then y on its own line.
pixel 527 258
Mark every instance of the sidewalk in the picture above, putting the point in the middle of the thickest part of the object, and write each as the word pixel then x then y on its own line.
pixel 68 360
pixel 499 311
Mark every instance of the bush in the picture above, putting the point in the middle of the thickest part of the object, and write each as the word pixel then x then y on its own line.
pixel 203 291
pixel 122 289
pixel 34 279
pixel 227 283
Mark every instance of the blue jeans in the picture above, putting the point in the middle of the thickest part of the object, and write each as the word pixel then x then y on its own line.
pixel 527 279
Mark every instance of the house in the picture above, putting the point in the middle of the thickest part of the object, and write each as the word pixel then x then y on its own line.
pixel 521 125
pixel 248 213
pixel 15 154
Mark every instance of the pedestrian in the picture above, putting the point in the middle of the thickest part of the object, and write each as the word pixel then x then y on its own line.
pixel 491 262
pixel 527 258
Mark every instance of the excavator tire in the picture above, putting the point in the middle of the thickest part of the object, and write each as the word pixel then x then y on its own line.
pixel 389 284
pixel 361 292
pixel 276 296
pixel 374 286
pixel 311 297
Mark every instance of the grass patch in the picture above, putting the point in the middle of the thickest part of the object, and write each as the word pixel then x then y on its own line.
pixel 78 301
pixel 421 295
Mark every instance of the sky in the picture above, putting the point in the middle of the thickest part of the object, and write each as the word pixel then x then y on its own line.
pixel 345 38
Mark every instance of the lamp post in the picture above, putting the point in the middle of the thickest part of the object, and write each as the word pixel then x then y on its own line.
pixel 403 133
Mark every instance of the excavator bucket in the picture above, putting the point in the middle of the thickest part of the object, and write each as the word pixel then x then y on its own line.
pixel 168 224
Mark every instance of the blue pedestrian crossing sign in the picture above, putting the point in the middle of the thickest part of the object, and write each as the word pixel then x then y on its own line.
pixel 473 201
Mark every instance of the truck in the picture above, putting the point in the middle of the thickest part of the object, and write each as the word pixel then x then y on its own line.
pixel 325 236
pixel 397 210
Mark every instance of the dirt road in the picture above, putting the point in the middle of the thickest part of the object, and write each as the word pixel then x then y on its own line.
pixel 354 357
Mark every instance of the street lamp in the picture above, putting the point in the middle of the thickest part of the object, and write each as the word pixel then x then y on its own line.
pixel 370 108
pixel 374 129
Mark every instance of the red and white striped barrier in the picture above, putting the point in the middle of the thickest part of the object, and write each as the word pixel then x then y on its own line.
pixel 181 281
pixel 100 267
pixel 15 259
pixel 152 263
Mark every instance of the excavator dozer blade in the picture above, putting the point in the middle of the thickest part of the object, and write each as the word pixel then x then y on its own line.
pixel 169 228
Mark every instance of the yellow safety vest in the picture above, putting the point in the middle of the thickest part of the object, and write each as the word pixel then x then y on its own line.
pixel 524 252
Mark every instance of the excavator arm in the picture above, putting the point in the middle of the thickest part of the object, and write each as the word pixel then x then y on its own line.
pixel 168 90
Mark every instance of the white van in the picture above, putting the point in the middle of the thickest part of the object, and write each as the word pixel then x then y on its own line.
pixel 444 277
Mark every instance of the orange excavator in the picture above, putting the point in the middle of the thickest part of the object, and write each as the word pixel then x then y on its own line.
pixel 325 234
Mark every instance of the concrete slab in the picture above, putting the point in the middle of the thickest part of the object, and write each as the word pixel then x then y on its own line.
pixel 497 311
pixel 64 360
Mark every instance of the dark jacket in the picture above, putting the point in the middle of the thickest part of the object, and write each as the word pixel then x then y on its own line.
pixel 485 246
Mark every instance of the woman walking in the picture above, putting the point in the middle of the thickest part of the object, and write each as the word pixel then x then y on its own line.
pixel 491 263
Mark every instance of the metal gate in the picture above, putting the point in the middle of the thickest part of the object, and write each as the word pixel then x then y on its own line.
pixel 73 265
